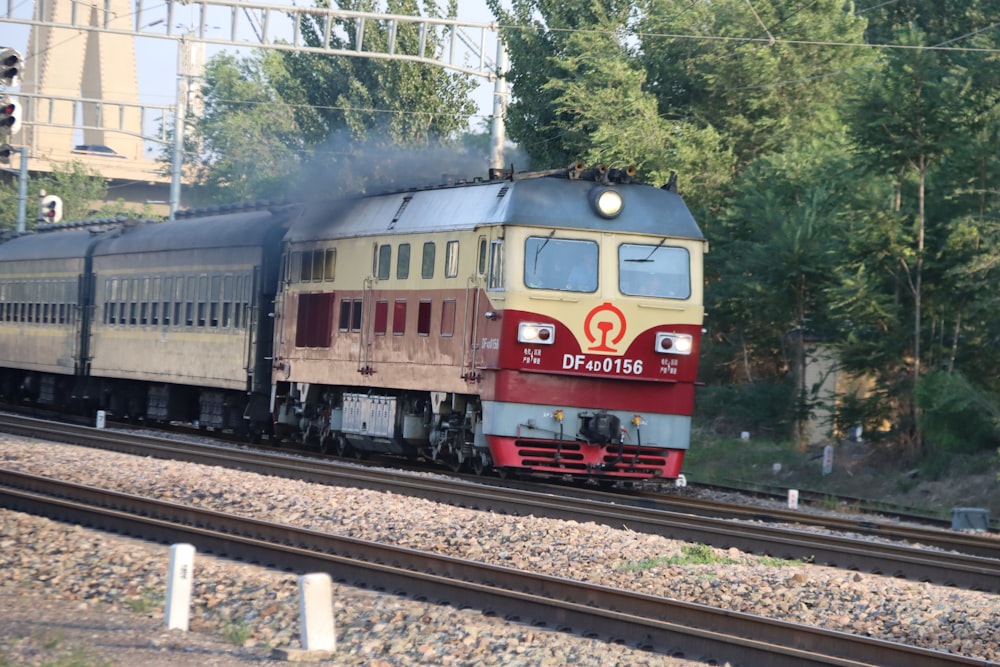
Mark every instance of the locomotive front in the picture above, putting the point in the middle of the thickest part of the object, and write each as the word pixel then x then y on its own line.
pixel 590 356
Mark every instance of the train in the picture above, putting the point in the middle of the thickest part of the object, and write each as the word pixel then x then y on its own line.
pixel 531 324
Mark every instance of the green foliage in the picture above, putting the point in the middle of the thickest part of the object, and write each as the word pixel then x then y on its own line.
pixel 79 187
pixel 274 122
pixel 957 416
pixel 755 407
pixel 237 632
pixel 699 554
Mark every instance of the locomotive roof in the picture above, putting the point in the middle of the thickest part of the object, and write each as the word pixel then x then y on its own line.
pixel 548 202
pixel 55 245
pixel 249 228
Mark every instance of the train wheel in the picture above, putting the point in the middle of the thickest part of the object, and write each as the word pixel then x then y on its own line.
pixel 480 465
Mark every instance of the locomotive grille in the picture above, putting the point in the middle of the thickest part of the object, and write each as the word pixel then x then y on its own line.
pixel 571 457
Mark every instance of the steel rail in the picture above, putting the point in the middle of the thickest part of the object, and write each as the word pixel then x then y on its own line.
pixel 946 568
pixel 647 622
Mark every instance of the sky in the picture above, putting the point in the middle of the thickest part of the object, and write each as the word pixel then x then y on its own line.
pixel 156 58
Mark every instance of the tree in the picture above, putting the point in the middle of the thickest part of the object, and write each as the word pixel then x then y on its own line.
pixel 276 122
pixel 926 107
pixel 79 187
pixel 580 94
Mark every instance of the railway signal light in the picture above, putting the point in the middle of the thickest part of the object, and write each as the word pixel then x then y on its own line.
pixel 52 208
pixel 10 66
pixel 5 151
pixel 10 116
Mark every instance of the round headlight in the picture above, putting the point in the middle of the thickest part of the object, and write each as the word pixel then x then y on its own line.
pixel 607 203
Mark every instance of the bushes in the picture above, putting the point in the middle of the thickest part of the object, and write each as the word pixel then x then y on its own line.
pixel 956 416
pixel 767 408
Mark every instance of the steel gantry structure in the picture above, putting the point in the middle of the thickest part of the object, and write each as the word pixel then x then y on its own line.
pixel 241 24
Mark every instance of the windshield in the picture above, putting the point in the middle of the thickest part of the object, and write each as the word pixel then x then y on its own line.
pixel 654 270
pixel 560 264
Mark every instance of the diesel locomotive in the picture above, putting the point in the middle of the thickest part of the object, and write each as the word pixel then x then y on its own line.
pixel 543 323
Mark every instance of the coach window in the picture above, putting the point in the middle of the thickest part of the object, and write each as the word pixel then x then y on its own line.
pixel 202 299
pixel 427 260
pixel 133 304
pixel 154 302
pixel 403 261
pixel 384 261
pixel 214 299
pixel 481 268
pixel 190 295
pixel 495 278
pixel 166 296
pixel 381 317
pixel 399 317
pixel 424 318
pixel 227 301
pixel 144 302
pixel 179 305
pixel 108 305
pixel 123 297
pixel 330 263
pixel 451 259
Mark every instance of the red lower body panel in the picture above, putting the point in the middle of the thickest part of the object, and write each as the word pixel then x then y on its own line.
pixel 570 457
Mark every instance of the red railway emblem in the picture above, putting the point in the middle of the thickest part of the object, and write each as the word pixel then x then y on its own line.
pixel 612 319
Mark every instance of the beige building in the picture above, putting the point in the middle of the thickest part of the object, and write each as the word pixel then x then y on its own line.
pixel 80 101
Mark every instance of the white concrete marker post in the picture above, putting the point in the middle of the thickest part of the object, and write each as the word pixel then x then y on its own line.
pixel 793 499
pixel 179 579
pixel 316 612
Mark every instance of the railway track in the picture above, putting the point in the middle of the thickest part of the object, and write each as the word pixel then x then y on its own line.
pixel 647 622
pixel 953 567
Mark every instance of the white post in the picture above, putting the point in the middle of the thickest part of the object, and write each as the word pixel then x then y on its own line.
pixel 316 612
pixel 179 578
pixel 793 499
pixel 101 419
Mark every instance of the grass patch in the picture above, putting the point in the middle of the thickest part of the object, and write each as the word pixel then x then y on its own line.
pixel 145 603
pixel 76 658
pixel 700 554
pixel 237 632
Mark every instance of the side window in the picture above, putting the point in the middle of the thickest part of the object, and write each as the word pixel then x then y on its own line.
pixel 381 317
pixel 305 265
pixel 317 265
pixel 495 278
pixel 330 264
pixel 424 318
pixel 399 318
pixel 427 260
pixel 451 260
pixel 344 321
pixel 349 318
pixel 481 263
pixel 384 261
pixel 403 261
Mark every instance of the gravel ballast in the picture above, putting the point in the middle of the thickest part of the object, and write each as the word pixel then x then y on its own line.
pixel 241 612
